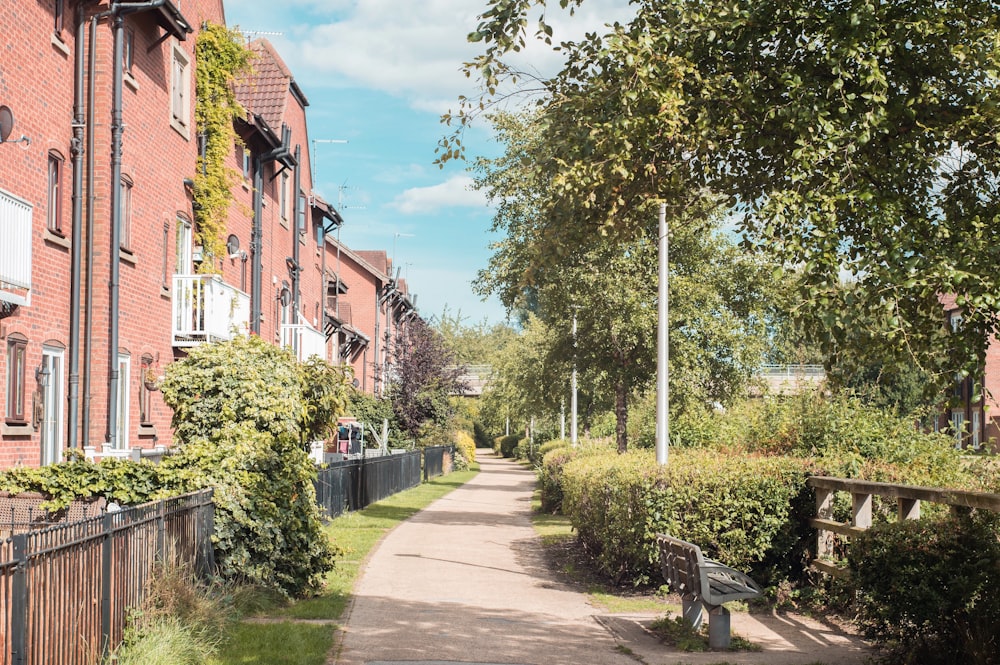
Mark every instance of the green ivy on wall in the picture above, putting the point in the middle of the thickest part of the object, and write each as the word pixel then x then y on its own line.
pixel 221 56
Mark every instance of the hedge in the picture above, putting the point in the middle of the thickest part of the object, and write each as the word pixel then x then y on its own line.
pixel 744 511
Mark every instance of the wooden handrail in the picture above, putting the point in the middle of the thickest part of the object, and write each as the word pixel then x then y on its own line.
pixel 908 499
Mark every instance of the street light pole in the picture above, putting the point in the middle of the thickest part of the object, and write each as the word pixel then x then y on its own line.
pixel 572 420
pixel 663 346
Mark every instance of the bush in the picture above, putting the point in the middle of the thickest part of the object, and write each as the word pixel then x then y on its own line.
pixel 238 412
pixel 505 445
pixel 555 455
pixel 738 510
pixel 465 448
pixel 927 589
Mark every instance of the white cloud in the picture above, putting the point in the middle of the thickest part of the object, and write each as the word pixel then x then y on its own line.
pixel 454 192
pixel 411 50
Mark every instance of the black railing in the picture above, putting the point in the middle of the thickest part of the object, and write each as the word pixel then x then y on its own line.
pixel 356 483
pixel 65 591
pixel 438 460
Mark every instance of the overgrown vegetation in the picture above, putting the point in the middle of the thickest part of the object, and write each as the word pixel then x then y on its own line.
pixel 239 410
pixel 222 56
pixel 926 589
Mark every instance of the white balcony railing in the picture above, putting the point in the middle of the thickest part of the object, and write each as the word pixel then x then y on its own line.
pixel 15 250
pixel 206 309
pixel 304 340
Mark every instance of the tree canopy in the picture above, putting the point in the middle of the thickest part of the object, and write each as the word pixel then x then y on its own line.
pixel 850 138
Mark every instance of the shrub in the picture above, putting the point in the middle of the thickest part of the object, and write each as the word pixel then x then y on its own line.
pixel 465 448
pixel 736 509
pixel 325 391
pixel 238 408
pixel 555 455
pixel 505 445
pixel 927 589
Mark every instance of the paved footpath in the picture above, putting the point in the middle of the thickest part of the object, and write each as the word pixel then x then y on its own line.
pixel 465 581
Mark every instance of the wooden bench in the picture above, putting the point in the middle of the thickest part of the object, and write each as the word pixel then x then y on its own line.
pixel 703 582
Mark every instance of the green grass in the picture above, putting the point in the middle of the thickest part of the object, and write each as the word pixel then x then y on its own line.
pixel 285 642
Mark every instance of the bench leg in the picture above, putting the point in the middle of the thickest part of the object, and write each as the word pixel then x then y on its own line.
pixel 718 628
pixel 691 610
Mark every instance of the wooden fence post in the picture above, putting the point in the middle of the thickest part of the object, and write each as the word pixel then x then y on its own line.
pixel 824 511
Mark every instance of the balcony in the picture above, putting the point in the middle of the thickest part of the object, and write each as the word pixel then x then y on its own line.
pixel 304 340
pixel 15 250
pixel 206 309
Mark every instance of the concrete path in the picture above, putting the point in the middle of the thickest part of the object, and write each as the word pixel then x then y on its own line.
pixel 465 581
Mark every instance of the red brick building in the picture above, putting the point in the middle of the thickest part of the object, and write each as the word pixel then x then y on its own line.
pixel 972 411
pixel 99 287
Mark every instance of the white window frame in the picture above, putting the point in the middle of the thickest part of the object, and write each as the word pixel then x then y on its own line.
pixel 958 426
pixel 125 215
pixel 975 427
pixel 124 401
pixel 54 212
pixel 184 248
pixel 53 419
pixel 180 86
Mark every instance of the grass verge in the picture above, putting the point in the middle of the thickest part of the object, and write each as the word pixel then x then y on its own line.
pixel 278 635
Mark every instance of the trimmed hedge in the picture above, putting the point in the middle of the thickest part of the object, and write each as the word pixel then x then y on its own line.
pixel 505 445
pixel 742 510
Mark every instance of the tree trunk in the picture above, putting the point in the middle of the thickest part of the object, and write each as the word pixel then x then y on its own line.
pixel 621 415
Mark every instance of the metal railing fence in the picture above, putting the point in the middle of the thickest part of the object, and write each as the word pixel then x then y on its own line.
pixel 65 591
pixel 356 483
pixel 438 460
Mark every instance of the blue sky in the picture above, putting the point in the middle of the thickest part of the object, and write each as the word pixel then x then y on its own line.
pixel 379 74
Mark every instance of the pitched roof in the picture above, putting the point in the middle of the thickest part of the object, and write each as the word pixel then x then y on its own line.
pixel 265 91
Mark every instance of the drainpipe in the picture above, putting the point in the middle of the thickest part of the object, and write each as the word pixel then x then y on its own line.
pixel 296 183
pixel 119 11
pixel 256 240
pixel 76 251
pixel 257 234
pixel 376 370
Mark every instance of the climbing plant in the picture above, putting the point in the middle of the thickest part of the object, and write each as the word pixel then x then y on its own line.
pixel 221 56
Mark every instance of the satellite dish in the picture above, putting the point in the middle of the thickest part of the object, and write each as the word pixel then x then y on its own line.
pixel 232 245
pixel 6 123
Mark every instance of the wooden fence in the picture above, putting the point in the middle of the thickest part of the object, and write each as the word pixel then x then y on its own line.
pixel 65 590
pixel 907 497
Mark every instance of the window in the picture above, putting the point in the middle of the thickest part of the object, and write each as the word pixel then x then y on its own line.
pixel 124 380
pixel 283 196
pixel 128 51
pixel 50 385
pixel 246 163
pixel 147 381
pixel 179 84
pixel 17 352
pixel 975 429
pixel 125 215
pixel 301 217
pixel 956 322
pixel 60 10
pixel 958 426
pixel 182 264
pixel 54 210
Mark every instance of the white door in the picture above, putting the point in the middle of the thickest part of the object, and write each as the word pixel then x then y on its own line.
pixel 52 406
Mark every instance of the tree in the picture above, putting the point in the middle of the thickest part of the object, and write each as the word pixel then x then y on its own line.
pixel 609 284
pixel 851 137
pixel 425 374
